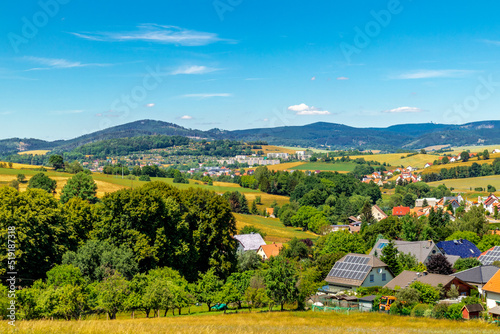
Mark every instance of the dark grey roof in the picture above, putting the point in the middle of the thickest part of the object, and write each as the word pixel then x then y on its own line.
pixel 407 277
pixel 478 275
pixel 369 298
pixel 474 308
pixel 421 249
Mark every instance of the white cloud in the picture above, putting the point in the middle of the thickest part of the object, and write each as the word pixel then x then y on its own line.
pixel 66 112
pixel 194 69
pixel 404 110
pixel 54 63
pixel 427 74
pixel 342 78
pixel 304 109
pixel 155 33
pixel 489 41
pixel 186 117
pixel 206 95
pixel 313 78
pixel 150 105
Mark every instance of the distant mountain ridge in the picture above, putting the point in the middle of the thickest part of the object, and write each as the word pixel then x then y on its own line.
pixel 337 136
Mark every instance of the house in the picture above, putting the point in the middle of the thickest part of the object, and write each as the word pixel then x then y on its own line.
pixel 477 276
pixel 377 213
pixel 354 220
pixel 422 250
pixel 461 247
pixel 489 203
pixel 490 256
pixel 496 151
pixel 355 227
pixel 411 169
pixel 406 278
pixel 366 303
pixel 357 270
pixel 430 202
pixel 472 311
pixel 427 165
pixel 249 242
pixel 491 291
pixel 267 251
pixel 336 228
pixel 400 211
pixel 270 212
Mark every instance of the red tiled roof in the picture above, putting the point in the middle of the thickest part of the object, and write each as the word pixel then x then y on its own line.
pixel 400 211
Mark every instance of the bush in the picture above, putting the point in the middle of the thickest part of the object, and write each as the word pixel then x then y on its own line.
pixel 455 311
pixel 419 310
pixel 440 311
pixel 144 178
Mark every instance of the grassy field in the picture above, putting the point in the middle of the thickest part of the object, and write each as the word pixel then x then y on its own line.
pixel 276 149
pixel 473 148
pixel 275 230
pixel 437 168
pixel 257 323
pixel 465 185
pixel 34 152
pixel 330 167
pixel 394 159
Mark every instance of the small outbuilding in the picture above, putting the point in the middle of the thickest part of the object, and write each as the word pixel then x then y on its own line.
pixel 472 311
pixel 366 303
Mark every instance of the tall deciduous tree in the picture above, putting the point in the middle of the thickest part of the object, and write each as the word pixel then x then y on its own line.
pixel 56 161
pixel 281 281
pixel 81 185
pixel 112 293
pixel 42 181
pixel 208 287
pixel 390 258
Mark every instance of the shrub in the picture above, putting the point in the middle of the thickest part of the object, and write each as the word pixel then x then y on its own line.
pixel 419 310
pixel 455 311
pixel 144 178
pixel 440 311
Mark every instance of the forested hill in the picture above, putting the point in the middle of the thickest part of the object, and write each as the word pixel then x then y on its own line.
pixel 337 136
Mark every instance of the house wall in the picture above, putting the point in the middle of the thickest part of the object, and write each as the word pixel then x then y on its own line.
pixel 463 289
pixel 262 254
pixel 365 306
pixel 377 277
pixel 491 298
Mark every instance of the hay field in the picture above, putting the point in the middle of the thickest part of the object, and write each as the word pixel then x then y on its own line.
pixel 343 167
pixel 437 168
pixel 275 149
pixel 394 159
pixel 258 323
pixel 34 152
pixel 465 185
pixel 283 166
pixel 473 148
pixel 273 227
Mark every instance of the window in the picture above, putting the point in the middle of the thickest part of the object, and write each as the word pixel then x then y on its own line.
pixel 372 278
pixel 384 277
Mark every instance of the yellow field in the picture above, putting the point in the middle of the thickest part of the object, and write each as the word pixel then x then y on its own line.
pixel 473 149
pixel 437 168
pixel 273 227
pixel 394 159
pixel 257 323
pixel 34 152
pixel 276 149
pixel 465 185
pixel 284 166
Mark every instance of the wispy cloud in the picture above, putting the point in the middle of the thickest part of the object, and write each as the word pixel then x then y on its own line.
pixel 66 112
pixel 427 74
pixel 57 63
pixel 4 113
pixel 490 41
pixel 404 110
pixel 155 33
pixel 304 109
pixel 342 78
pixel 206 95
pixel 186 117
pixel 150 105
pixel 194 69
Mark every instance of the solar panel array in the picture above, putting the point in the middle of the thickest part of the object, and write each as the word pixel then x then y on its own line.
pixel 491 256
pixel 352 267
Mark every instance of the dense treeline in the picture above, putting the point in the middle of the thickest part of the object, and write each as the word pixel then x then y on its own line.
pixel 189 230
pixel 460 172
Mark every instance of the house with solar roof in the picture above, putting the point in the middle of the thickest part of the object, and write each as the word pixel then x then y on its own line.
pixel 357 270
pixel 490 256
pixel 460 247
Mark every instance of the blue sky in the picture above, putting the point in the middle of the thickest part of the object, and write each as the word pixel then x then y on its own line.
pixel 71 67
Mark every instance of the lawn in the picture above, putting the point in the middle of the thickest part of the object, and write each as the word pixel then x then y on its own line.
pixel 258 323
pixel 330 167
pixel 273 228
pixel 465 185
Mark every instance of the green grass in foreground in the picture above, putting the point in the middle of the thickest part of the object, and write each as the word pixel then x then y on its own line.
pixel 258 323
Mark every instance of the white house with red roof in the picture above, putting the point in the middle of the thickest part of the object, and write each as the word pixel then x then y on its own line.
pixel 489 203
